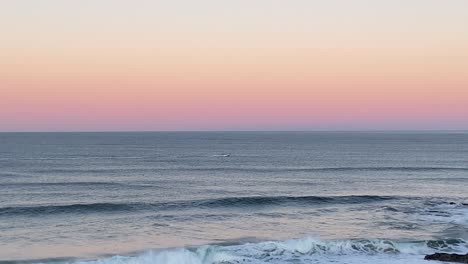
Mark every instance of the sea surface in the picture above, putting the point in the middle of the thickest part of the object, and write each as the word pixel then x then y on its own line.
pixel 232 197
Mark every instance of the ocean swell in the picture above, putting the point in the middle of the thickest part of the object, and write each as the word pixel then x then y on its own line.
pixel 228 202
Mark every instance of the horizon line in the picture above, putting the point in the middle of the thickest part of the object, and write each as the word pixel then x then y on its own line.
pixel 240 131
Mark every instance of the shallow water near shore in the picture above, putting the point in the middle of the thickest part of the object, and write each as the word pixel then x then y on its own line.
pixel 232 197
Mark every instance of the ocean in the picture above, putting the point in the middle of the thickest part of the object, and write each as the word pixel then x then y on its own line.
pixel 232 197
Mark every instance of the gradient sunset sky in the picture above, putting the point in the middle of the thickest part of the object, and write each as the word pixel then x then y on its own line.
pixel 101 65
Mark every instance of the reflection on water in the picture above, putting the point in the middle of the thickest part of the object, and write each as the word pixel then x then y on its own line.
pixel 87 194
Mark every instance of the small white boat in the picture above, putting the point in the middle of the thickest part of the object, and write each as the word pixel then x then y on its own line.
pixel 222 155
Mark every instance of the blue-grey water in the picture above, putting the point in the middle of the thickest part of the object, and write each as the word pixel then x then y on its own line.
pixel 232 197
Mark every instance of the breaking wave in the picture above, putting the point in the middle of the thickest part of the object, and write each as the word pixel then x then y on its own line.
pixel 306 250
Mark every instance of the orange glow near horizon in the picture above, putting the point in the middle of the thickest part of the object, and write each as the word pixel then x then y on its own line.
pixel 254 72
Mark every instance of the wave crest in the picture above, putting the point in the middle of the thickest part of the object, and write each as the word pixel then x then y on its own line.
pixel 228 202
pixel 298 250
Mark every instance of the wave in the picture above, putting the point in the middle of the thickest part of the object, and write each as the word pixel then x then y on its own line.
pixel 305 250
pixel 283 200
pixel 228 202
pixel 57 209
pixel 89 184
pixel 319 169
pixel 253 169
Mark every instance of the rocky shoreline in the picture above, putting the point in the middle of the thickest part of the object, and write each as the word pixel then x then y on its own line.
pixel 446 257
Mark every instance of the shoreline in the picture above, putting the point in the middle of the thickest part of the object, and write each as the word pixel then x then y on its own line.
pixel 281 250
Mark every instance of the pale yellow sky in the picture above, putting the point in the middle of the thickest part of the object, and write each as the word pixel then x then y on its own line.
pixel 185 65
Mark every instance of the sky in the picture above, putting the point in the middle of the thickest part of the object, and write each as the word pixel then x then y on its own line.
pixel 140 65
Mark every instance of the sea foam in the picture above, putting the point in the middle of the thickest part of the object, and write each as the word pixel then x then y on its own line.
pixel 305 250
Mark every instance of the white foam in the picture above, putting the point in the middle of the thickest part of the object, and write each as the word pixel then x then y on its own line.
pixel 306 250
pixel 446 213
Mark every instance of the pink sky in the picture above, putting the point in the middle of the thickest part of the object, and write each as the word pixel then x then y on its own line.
pixel 252 65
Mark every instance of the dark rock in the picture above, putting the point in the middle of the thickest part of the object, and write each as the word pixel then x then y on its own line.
pixel 448 257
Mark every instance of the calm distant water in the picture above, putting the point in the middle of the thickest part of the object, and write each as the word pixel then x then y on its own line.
pixel 270 197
